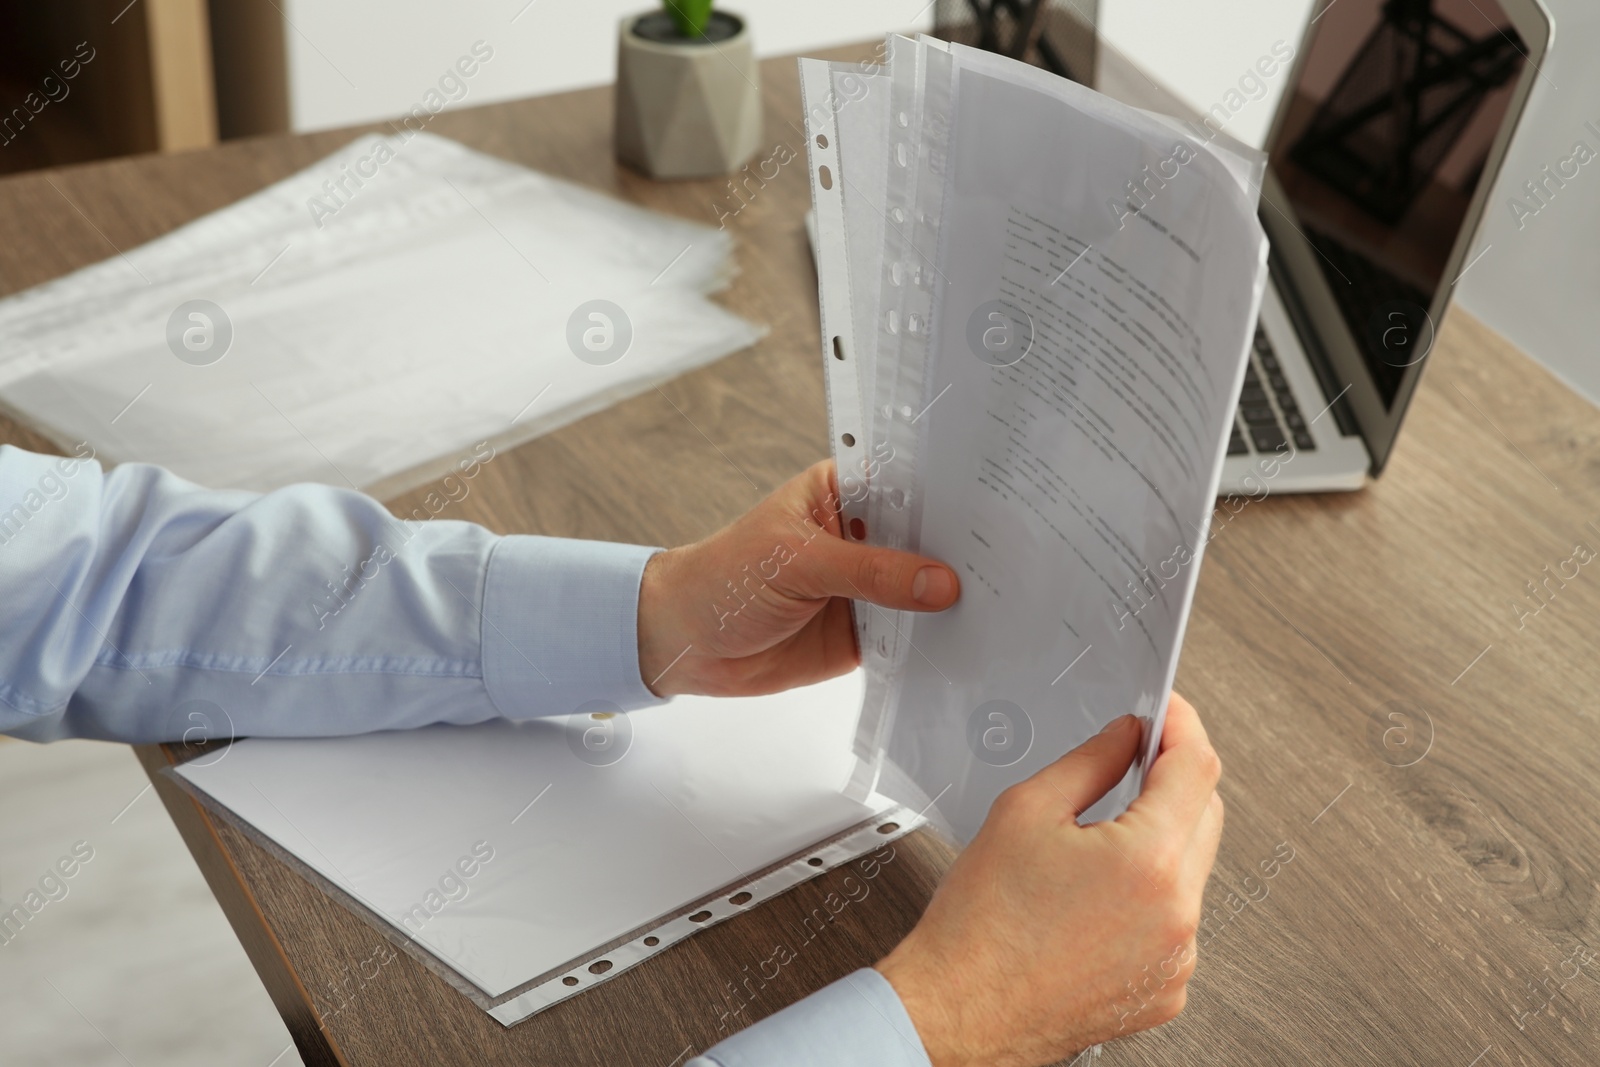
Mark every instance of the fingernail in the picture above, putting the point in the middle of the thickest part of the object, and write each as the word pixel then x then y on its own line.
pixel 1119 723
pixel 932 586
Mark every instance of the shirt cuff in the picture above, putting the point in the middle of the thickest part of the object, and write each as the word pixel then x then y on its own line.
pixel 561 626
pixel 857 1020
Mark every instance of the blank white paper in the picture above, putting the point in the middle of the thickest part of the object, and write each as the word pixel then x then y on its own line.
pixel 707 793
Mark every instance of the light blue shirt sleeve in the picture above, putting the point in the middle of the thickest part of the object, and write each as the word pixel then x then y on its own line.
pixel 130 596
pixel 857 1021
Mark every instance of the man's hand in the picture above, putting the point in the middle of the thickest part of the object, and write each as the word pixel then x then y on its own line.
pixel 762 605
pixel 1047 937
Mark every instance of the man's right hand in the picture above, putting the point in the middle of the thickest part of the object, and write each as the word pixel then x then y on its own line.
pixel 1047 937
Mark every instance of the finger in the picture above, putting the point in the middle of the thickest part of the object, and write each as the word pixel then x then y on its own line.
pixel 1089 771
pixel 1209 835
pixel 1184 774
pixel 1198 862
pixel 837 633
pixel 825 647
pixel 1182 722
pixel 819 484
pixel 903 581
pixel 1202 854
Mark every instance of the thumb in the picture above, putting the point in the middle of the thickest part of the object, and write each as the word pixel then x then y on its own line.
pixel 902 581
pixel 1089 771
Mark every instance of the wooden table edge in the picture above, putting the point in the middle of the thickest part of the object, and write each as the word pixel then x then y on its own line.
pixel 261 945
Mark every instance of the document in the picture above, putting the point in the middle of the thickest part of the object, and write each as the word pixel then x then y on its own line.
pixel 1050 339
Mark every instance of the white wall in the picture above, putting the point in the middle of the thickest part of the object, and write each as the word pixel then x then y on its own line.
pixel 1540 285
pixel 367 59
pixel 1201 48
pixel 361 60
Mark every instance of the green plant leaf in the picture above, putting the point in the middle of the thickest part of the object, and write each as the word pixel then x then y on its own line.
pixel 690 16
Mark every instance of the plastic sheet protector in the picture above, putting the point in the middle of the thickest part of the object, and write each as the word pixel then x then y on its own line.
pixel 527 862
pixel 1036 311
pixel 365 319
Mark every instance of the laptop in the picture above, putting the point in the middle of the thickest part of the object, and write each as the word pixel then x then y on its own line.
pixel 1380 160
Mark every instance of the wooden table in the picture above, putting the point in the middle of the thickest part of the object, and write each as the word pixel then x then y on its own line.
pixel 1428 910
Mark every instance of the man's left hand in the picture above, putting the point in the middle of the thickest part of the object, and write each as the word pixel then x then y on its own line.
pixel 763 604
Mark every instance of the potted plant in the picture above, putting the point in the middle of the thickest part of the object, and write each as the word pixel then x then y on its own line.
pixel 688 105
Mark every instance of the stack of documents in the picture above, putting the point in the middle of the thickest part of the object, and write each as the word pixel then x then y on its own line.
pixel 1036 307
pixel 396 303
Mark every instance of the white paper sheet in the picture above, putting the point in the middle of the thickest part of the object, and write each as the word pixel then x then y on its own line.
pixel 1068 477
pixel 430 311
pixel 577 831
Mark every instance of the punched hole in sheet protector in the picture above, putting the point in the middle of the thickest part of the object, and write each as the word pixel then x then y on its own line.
pixel 825 176
pixel 822 140
pixel 838 348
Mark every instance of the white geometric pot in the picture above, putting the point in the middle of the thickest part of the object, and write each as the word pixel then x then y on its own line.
pixel 686 108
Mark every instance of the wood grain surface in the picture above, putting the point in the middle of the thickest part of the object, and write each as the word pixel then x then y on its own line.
pixel 1420 751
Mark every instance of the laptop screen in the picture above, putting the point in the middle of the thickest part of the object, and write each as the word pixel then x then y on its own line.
pixel 1380 144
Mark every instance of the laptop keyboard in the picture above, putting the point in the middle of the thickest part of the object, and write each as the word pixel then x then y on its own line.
pixel 1268 417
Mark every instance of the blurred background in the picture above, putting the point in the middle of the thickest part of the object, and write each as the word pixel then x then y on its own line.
pixel 173 74
pixel 138 945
